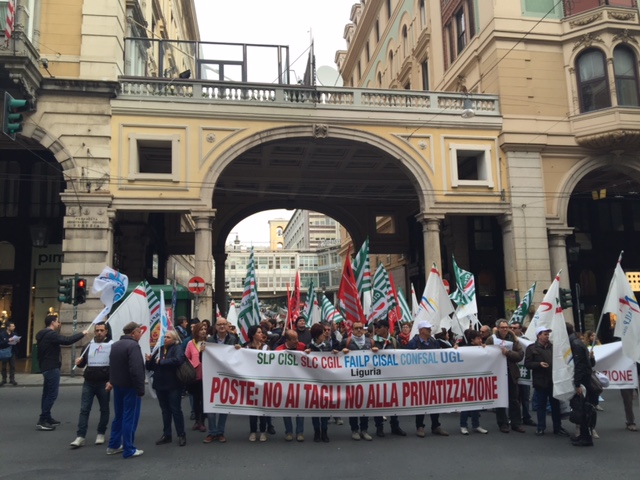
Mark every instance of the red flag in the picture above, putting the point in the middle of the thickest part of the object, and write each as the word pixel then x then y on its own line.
pixel 394 313
pixel 289 314
pixel 349 297
pixel 294 302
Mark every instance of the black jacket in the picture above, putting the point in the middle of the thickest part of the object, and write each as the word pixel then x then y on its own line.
pixel 164 376
pixel 533 356
pixel 582 363
pixel 416 343
pixel 49 342
pixel 126 365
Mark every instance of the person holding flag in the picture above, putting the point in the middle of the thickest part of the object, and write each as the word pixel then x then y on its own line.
pixel 583 362
pixel 512 350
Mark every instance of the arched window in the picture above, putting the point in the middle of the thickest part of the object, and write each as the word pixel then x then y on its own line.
pixel 593 84
pixel 423 15
pixel 405 42
pixel 626 72
pixel 279 231
pixel 379 80
pixel 390 65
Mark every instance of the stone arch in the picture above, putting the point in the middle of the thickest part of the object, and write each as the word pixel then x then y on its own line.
pixel 577 173
pixel 418 175
pixel 54 145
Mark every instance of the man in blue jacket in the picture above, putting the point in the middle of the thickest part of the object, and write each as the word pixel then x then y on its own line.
pixel 126 375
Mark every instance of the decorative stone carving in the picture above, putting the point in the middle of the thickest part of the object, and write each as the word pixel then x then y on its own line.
pixel 422 145
pixel 320 130
pixel 580 22
pixel 625 36
pixel 608 140
pixel 587 40
pixel 211 137
pixel 622 16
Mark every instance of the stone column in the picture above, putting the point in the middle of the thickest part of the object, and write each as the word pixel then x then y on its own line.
pixel 509 253
pixel 558 259
pixel 431 238
pixel 87 246
pixel 204 259
pixel 220 290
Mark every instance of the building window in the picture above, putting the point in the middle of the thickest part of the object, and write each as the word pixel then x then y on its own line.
pixel 388 9
pixel 390 65
pixel 379 80
pixel 425 75
pixel 377 30
pixel 624 65
pixel 471 166
pixel 593 85
pixel 279 231
pixel 368 53
pixel 405 42
pixel 359 71
pixel 461 30
pixel 423 15
pixel 154 156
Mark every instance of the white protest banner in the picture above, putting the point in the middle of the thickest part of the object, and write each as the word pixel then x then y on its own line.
pixel 619 368
pixel 393 382
pixel 525 374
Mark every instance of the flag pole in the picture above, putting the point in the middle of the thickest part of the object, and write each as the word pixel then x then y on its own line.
pixel 595 339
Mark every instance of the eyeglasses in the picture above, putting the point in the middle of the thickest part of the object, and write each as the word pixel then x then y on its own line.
pixel 358 328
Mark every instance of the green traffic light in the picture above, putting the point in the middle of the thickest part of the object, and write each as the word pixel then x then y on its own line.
pixel 11 115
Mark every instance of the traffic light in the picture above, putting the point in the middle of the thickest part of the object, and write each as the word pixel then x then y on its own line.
pixel 65 291
pixel 12 115
pixel 566 301
pixel 81 291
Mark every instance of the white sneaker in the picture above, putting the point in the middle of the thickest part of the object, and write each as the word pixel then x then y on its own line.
pixel 99 439
pixel 252 437
pixel 115 451
pixel 263 437
pixel 464 430
pixel 137 453
pixel 481 430
pixel 78 442
pixel 366 436
pixel 355 436
pixel 594 434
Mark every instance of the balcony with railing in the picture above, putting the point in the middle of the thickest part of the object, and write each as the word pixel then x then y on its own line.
pixel 574 7
pixel 242 74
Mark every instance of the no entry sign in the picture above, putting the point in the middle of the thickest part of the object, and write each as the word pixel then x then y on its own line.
pixel 196 285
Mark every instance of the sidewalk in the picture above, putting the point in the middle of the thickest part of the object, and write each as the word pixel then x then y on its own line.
pixel 25 378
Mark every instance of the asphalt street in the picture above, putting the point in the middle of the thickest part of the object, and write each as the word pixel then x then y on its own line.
pixel 28 453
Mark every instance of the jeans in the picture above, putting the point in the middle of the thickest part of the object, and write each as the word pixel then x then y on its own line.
pixel 288 425
pixel 364 423
pixel 49 393
pixel 196 393
pixel 514 407
pixel 11 362
pixel 475 418
pixel 320 423
pixel 435 421
pixel 216 428
pixel 253 424
pixel 393 421
pixel 90 390
pixel 542 396
pixel 126 405
pixel 170 404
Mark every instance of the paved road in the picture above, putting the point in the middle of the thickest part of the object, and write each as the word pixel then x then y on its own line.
pixel 27 453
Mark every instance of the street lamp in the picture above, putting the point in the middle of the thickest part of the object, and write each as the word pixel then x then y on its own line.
pixel 39 235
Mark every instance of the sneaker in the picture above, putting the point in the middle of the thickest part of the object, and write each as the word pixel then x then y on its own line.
pixel 484 431
pixel 594 434
pixel 100 439
pixel 263 437
pixel 299 438
pixel 288 437
pixel 45 426
pixel 599 408
pixel 252 437
pixel 209 439
pixel 420 432
pixel 539 433
pixel 137 453
pixel 366 436
pixel 78 442
pixel 339 421
pixel 115 451
pixel 464 430
pixel 440 431
pixel 355 436
pixel 54 422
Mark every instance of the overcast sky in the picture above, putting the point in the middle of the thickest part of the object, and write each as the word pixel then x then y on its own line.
pixel 276 22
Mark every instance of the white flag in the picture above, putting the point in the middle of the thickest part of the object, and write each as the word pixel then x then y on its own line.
pixel 622 302
pixel 549 315
pixel 232 314
pixel 111 286
pixel 434 304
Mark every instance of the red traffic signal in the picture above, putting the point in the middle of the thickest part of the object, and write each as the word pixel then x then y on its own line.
pixel 81 291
